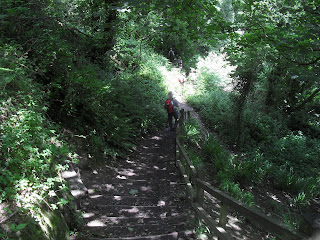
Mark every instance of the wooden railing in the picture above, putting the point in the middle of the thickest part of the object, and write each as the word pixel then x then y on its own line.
pixel 196 186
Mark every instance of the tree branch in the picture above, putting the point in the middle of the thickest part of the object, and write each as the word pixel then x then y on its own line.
pixel 305 101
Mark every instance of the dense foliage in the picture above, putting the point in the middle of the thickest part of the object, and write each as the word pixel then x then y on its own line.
pixel 61 73
pixel 270 117
pixel 91 68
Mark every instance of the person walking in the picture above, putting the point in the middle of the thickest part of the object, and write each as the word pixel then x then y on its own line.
pixel 171 55
pixel 179 62
pixel 172 107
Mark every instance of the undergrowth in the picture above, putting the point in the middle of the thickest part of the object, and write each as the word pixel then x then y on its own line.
pixel 107 109
pixel 271 151
pixel 33 154
pixel 208 151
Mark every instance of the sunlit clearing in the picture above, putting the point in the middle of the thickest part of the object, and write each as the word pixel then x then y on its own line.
pixel 172 81
pixel 217 64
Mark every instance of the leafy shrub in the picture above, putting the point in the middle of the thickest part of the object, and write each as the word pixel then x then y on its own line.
pixel 237 193
pixel 250 170
pixel 297 151
pixel 192 132
pixel 32 153
pixel 215 109
pixel 110 109
pixel 194 157
pixel 214 152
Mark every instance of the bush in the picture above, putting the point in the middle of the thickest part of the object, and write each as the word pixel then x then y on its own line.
pixel 297 151
pixel 215 110
pixel 192 132
pixel 214 152
pixel 250 170
pixel 111 110
pixel 236 192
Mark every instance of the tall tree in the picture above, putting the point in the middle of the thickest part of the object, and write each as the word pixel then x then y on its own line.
pixel 289 32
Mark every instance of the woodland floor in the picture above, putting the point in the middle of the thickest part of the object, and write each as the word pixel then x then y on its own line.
pixel 143 195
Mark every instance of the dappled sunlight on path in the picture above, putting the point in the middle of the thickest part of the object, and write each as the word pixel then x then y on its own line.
pixel 139 197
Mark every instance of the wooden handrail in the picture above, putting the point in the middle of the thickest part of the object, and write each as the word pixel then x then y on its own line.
pixel 195 187
pixel 190 166
pixel 268 223
pixel 219 231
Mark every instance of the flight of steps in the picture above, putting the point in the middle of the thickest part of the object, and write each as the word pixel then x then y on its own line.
pixel 141 197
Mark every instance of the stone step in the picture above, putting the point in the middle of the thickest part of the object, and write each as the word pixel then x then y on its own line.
pixel 168 175
pixel 135 189
pixel 136 211
pixel 185 235
pixel 135 230
pixel 129 221
pixel 132 200
pixel 124 181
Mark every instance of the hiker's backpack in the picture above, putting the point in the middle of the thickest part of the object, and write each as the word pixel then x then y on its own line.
pixel 169 104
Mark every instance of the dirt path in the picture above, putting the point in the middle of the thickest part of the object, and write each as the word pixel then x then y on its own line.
pixel 140 197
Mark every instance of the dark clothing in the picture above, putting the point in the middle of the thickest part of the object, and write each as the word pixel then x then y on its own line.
pixel 176 120
pixel 180 63
pixel 173 114
pixel 171 55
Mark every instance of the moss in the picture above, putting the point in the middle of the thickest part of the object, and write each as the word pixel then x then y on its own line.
pixel 47 224
pixel 53 224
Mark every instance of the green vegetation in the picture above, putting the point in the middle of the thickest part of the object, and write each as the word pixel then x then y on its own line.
pixel 92 68
pixel 270 118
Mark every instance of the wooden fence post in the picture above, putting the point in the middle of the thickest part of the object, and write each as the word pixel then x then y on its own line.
pixel 177 151
pixel 181 122
pixel 223 215
pixel 200 191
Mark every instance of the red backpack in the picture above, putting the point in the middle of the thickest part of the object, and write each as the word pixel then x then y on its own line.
pixel 169 105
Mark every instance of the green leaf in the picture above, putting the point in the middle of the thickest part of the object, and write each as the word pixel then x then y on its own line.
pixel 133 191
pixel 63 201
pixel 21 226
pixel 12 226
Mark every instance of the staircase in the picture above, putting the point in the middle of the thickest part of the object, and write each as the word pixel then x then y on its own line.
pixel 141 197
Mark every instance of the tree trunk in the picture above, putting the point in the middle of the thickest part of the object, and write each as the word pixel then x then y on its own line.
pixel 246 81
